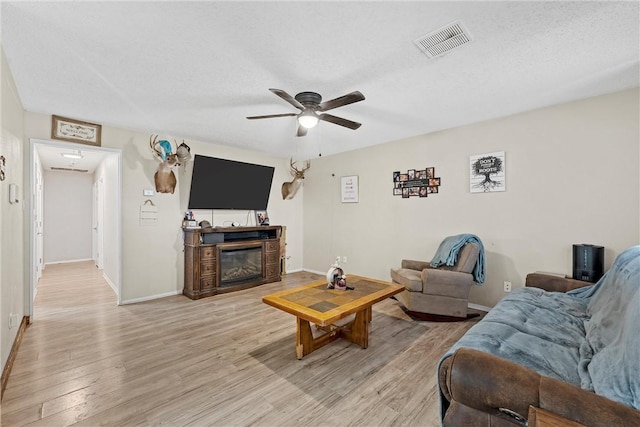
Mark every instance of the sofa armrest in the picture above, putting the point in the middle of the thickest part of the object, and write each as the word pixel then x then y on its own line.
pixel 455 284
pixel 415 265
pixel 552 283
pixel 487 383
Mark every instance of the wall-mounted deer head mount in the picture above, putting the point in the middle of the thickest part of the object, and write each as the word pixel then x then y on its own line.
pixel 164 177
pixel 289 189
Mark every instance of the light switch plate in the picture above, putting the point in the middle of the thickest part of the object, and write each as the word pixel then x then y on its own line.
pixel 13 193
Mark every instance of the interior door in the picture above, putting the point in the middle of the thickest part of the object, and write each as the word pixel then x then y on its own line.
pixel 94 223
pixel 98 217
pixel 38 225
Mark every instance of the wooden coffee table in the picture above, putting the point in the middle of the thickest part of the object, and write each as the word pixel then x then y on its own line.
pixel 316 304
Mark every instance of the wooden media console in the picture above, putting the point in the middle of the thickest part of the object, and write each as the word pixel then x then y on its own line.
pixel 225 259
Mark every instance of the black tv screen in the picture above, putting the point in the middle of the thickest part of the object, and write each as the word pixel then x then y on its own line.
pixel 227 184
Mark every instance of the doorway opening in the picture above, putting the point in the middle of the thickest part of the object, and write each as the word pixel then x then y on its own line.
pixel 93 234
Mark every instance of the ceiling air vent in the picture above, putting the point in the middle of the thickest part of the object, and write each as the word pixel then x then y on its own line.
pixel 54 168
pixel 443 40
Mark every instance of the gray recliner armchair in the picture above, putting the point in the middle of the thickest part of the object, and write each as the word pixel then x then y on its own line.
pixel 442 291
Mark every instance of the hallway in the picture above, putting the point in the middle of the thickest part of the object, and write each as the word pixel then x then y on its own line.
pixel 71 309
pixel 77 286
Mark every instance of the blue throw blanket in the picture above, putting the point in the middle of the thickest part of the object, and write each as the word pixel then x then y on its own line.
pixel 447 254
pixel 589 337
pixel 610 355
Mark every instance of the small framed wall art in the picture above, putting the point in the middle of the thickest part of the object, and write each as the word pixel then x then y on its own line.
pixel 349 189
pixel 72 130
pixel 487 173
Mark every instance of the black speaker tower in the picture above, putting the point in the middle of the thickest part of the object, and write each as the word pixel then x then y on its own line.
pixel 588 262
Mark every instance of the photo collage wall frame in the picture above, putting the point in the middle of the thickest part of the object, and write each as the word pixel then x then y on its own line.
pixel 416 183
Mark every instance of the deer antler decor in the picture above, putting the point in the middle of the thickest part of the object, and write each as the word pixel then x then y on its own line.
pixel 289 189
pixel 164 177
pixel 183 152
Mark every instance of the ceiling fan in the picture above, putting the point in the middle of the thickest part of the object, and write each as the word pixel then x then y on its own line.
pixel 310 104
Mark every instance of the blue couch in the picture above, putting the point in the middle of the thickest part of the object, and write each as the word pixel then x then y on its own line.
pixel 574 353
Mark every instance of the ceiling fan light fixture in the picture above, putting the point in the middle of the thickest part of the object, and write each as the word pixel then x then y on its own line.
pixel 310 104
pixel 308 119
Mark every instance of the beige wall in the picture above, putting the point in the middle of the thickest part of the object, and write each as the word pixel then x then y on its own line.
pixel 68 198
pixel 572 175
pixel 152 256
pixel 12 250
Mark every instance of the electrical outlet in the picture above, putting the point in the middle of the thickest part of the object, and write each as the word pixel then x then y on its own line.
pixel 337 259
pixel 507 286
pixel 344 259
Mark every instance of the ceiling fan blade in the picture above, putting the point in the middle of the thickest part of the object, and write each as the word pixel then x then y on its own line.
pixel 271 116
pixel 340 121
pixel 347 99
pixel 290 99
pixel 302 131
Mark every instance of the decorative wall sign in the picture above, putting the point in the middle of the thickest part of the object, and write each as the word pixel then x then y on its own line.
pixel 75 131
pixel 148 213
pixel 415 183
pixel 2 165
pixel 349 189
pixel 487 173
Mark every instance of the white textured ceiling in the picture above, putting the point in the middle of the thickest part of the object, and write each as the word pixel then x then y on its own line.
pixel 195 70
pixel 51 156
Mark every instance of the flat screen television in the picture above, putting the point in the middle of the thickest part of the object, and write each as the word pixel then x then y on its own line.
pixel 227 184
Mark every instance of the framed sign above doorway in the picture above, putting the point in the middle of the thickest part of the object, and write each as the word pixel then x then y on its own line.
pixel 72 130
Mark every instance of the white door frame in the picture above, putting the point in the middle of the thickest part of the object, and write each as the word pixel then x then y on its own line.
pixel 38 223
pixel 94 221
pixel 98 219
pixel 30 205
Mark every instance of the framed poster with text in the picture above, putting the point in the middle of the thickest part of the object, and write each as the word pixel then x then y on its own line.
pixel 487 173
pixel 349 189
pixel 75 131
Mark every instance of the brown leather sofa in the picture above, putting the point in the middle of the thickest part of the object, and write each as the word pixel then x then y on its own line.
pixel 480 389
pixel 486 390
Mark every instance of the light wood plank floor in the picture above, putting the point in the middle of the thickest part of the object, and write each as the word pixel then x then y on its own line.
pixel 227 360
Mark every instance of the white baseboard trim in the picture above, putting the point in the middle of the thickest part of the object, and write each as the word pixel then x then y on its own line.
pixel 479 307
pixel 110 283
pixel 151 297
pixel 322 273
pixel 67 261
pixel 297 270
